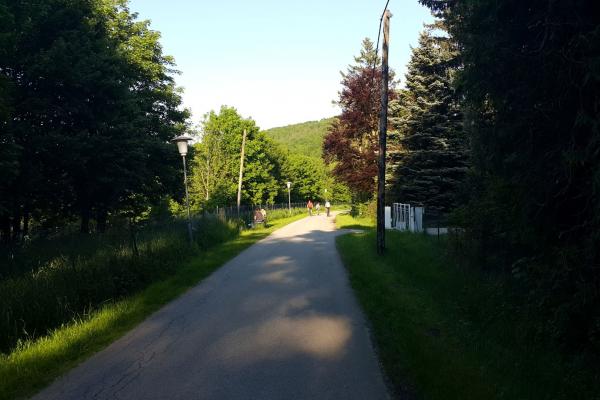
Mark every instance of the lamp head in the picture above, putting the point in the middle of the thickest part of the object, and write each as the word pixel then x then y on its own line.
pixel 182 143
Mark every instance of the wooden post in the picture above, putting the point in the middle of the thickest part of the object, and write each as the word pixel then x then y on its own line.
pixel 239 193
pixel 382 135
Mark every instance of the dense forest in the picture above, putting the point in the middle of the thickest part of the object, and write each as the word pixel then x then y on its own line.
pixel 496 128
pixel 88 105
pixel 304 138
pixel 302 145
pixel 272 158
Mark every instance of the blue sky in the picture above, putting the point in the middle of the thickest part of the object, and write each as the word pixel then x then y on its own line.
pixel 275 61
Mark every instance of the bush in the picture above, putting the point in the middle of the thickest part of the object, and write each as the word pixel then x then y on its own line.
pixel 365 210
pixel 68 280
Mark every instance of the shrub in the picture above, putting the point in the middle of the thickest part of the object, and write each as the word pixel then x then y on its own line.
pixel 67 280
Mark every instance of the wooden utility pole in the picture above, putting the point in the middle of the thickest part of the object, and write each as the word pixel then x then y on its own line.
pixel 239 194
pixel 383 114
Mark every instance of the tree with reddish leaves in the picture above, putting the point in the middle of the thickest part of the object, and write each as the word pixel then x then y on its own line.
pixel 351 142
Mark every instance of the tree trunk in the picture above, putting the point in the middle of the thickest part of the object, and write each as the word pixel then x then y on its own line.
pixel 26 218
pixel 85 219
pixel 5 228
pixel 16 225
pixel 101 217
pixel 133 233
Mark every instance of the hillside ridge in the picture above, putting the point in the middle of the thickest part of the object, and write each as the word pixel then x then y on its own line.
pixel 304 138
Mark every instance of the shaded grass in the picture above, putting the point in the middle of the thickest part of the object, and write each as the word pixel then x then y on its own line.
pixel 34 364
pixel 444 332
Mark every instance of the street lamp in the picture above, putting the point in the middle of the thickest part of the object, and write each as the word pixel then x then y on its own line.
pixel 325 194
pixel 289 185
pixel 182 146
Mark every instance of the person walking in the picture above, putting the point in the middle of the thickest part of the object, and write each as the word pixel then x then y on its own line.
pixel 318 208
pixel 309 205
pixel 327 206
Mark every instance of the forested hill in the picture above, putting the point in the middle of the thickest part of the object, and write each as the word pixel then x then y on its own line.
pixel 305 138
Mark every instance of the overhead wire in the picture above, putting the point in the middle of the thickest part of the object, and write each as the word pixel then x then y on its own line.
pixel 377 45
pixel 379 31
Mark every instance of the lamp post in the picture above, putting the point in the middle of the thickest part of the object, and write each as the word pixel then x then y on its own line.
pixel 182 146
pixel 289 185
pixel 325 194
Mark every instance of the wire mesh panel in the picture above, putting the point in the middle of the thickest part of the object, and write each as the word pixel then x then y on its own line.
pixel 401 216
pixel 407 218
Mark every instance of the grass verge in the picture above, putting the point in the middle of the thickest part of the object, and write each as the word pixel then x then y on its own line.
pixel 34 364
pixel 441 330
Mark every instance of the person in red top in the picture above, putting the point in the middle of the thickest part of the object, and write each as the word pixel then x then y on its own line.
pixel 309 205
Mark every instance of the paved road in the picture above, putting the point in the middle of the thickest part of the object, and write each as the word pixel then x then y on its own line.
pixel 279 321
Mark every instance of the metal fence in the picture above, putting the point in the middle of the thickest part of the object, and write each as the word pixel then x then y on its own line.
pixel 404 217
pixel 246 212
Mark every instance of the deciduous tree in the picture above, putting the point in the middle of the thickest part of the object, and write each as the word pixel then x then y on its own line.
pixel 351 143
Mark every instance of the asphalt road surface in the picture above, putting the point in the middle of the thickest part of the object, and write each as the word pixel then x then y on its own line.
pixel 279 321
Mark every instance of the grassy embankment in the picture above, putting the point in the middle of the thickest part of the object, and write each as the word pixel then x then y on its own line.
pixel 444 332
pixel 35 363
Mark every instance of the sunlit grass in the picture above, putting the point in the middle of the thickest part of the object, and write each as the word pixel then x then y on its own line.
pixel 34 364
pixel 346 221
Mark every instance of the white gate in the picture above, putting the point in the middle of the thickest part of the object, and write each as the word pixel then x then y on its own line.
pixel 407 218
pixel 401 216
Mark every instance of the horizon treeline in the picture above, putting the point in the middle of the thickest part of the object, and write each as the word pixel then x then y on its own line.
pixel 268 165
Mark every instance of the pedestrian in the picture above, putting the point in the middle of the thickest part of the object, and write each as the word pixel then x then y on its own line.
pixel 258 217
pixel 264 214
pixel 309 205
pixel 327 206
pixel 318 207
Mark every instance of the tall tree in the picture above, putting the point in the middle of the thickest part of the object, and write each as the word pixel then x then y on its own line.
pixel 351 143
pixel 532 83
pixel 93 105
pixel 307 175
pixel 217 162
pixel 432 165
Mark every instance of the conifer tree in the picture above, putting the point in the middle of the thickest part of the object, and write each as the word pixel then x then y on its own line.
pixel 431 164
pixel 531 79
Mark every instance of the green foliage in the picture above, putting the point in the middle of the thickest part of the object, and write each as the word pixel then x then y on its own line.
pixel 531 81
pixel 448 333
pixel 367 210
pixel 430 166
pixel 215 167
pixel 268 164
pixel 351 144
pixel 87 106
pixel 308 177
pixel 303 164
pixel 304 139
pixel 54 281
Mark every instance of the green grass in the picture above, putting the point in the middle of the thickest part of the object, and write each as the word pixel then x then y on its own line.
pixel 63 278
pixel 444 332
pixel 34 364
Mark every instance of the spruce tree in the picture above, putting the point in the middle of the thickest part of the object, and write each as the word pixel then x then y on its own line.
pixel 431 158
